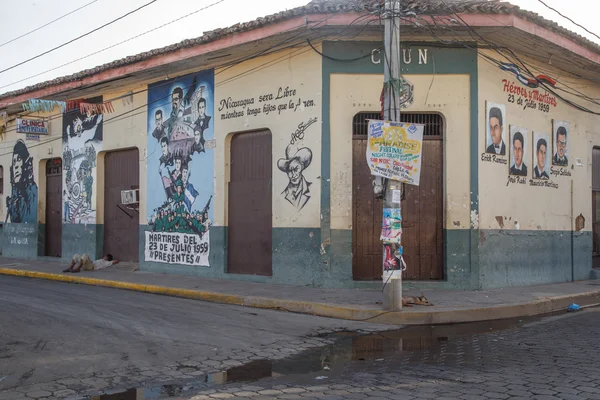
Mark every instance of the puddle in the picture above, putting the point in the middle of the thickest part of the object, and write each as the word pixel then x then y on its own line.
pixel 321 363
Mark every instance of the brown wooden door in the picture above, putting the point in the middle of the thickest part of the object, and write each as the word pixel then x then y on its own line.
pixel 121 222
pixel 422 208
pixel 367 252
pixel 249 234
pixel 54 208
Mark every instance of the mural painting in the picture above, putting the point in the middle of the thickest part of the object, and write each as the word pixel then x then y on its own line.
pixel 82 140
pixel 541 156
pixel 180 169
pixel 22 203
pixel 297 159
pixel 561 148
pixel 495 136
pixel 518 137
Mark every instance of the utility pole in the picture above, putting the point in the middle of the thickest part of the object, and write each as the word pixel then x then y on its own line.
pixel 392 280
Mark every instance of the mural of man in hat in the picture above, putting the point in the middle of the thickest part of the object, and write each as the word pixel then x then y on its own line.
pixel 295 162
pixel 22 205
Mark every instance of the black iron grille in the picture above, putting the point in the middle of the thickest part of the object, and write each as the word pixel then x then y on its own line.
pixel 434 123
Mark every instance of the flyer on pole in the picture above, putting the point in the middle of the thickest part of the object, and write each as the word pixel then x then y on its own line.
pixel 394 150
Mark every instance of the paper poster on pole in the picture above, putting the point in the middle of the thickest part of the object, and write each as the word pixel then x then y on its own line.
pixel 391 225
pixel 394 150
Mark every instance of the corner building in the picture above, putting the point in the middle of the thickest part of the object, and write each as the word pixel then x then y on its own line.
pixel 246 147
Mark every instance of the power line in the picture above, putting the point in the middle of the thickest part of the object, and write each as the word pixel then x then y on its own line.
pixel 114 45
pixel 570 20
pixel 523 64
pixel 500 63
pixel 244 73
pixel 118 117
pixel 49 23
pixel 79 37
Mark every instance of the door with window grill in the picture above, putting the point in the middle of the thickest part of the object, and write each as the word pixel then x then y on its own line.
pixel 422 207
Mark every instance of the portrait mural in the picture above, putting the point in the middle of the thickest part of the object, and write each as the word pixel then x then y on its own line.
pixel 180 176
pixel 82 141
pixel 541 156
pixel 518 146
pixel 297 159
pixel 560 134
pixel 21 205
pixel 495 132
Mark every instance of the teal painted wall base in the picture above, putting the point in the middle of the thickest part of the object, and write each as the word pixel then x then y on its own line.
pixel 27 241
pixel 519 258
pixel 296 258
pixel 20 240
pixel 458 273
pixel 80 239
pixel 507 258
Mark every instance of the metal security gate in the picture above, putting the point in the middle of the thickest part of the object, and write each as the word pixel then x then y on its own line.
pixel 121 222
pixel 422 207
pixel 250 215
pixel 54 208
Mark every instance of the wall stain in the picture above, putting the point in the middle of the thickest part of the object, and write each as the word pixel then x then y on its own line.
pixel 500 221
pixel 579 222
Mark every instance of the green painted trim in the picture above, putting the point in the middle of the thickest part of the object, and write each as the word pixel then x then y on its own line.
pixel 442 60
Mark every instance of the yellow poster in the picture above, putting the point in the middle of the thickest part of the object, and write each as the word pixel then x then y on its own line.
pixel 394 150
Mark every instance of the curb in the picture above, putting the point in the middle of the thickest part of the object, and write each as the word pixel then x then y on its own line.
pixel 538 307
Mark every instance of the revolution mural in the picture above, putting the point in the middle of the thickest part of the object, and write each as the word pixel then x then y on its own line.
pixel 82 140
pixel 180 169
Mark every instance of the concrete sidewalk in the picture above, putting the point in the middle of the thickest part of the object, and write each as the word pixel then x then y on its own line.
pixel 353 304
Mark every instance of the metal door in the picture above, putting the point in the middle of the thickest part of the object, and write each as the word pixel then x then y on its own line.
pixel 422 207
pixel 54 208
pixel 121 222
pixel 249 234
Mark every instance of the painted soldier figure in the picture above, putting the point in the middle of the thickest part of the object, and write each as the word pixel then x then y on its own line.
pixel 22 204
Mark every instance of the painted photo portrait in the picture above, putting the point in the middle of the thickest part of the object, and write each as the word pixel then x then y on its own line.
pixel 560 134
pixel 541 155
pixel 495 120
pixel 518 150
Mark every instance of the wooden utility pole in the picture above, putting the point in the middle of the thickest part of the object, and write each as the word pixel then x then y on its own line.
pixel 392 280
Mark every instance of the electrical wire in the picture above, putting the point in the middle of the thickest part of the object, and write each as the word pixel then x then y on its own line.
pixel 79 37
pixel 114 45
pixel 231 63
pixel 595 81
pixel 515 57
pixel 48 23
pixel 570 20
pixel 126 114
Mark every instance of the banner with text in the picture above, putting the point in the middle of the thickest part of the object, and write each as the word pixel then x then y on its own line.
pixel 394 150
pixel 177 248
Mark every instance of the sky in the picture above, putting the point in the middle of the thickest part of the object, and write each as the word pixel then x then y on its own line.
pixel 23 16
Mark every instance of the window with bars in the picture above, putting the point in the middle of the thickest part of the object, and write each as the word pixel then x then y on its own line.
pixel 434 123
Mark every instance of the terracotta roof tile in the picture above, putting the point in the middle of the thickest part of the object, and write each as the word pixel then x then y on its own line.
pixel 436 7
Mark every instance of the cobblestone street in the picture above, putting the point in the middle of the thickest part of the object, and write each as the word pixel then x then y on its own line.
pixel 549 359
pixel 119 345
pixel 72 341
